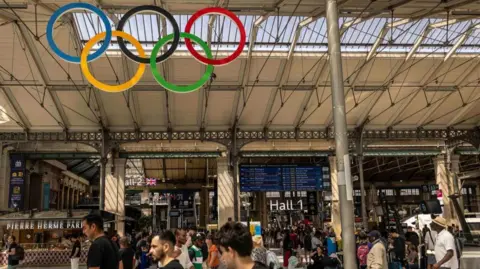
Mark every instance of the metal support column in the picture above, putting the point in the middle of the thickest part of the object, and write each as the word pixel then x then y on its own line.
pixel 234 162
pixel 361 175
pixel 341 141
pixel 103 168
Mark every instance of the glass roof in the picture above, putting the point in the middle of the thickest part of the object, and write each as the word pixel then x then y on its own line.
pixel 277 32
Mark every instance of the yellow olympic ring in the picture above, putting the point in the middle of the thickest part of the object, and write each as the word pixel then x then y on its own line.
pixel 100 85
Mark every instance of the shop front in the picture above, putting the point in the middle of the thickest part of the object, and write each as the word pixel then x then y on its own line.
pixel 44 236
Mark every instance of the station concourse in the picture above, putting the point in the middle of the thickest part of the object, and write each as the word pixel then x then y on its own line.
pixel 344 116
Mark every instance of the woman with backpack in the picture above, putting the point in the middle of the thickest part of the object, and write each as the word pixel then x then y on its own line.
pixel 362 250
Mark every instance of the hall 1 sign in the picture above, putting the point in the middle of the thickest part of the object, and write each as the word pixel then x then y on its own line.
pixel 44 224
pixel 288 205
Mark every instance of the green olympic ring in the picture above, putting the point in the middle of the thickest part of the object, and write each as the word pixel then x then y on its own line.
pixel 180 88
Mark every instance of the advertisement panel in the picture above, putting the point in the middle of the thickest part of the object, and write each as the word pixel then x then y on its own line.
pixel 17 182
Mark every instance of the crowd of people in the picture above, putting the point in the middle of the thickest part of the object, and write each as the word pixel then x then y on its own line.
pixel 233 246
pixel 306 247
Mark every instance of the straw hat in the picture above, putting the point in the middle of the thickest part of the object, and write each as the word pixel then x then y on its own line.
pixel 440 221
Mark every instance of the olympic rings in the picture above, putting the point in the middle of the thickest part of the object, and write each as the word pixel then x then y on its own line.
pixel 111 88
pixel 168 16
pixel 222 11
pixel 173 87
pixel 141 59
pixel 59 12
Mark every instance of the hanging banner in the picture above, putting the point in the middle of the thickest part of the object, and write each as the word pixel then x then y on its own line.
pixel 46 196
pixel 17 182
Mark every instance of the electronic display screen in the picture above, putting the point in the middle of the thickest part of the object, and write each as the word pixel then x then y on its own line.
pixel 286 177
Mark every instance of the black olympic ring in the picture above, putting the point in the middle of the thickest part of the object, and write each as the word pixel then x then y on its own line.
pixel 167 15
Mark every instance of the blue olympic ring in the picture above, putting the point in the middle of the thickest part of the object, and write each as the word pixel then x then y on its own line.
pixel 59 12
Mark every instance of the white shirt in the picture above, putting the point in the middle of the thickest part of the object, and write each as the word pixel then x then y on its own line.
pixel 443 243
pixel 184 259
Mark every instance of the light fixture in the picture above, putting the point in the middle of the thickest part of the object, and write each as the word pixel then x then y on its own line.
pixel 369 88
pixel 443 23
pixel 3 116
pixel 399 22
pixel 440 88
pixel 306 22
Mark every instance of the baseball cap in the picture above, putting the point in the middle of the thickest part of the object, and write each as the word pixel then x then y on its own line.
pixel 198 236
pixel 374 233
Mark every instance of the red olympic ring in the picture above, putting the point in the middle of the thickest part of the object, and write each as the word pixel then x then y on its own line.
pixel 221 11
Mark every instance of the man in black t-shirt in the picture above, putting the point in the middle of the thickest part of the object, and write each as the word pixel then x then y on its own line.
pixel 126 253
pixel 103 254
pixel 76 251
pixel 162 248
pixel 13 260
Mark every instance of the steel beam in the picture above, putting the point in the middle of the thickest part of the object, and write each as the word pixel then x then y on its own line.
pixel 10 98
pixel 460 42
pixel 417 43
pixel 96 94
pixel 287 66
pixel 246 69
pixel 37 58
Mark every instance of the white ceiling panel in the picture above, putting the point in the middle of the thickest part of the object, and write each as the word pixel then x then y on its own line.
pixel 29 100
pixel 116 108
pixel 77 110
pixel 285 116
pixel 184 107
pixel 152 108
pixel 220 108
pixel 255 106
pixel 263 70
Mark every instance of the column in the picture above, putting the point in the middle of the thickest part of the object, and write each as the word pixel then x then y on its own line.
pixel 457 184
pixel 115 192
pixel 62 195
pixel 4 178
pixel 477 197
pixel 224 191
pixel 336 220
pixel 262 208
pixel 204 207
pixel 442 180
pixel 372 201
pixel 68 197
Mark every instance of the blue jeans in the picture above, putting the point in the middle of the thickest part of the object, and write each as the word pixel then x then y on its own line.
pixel 395 265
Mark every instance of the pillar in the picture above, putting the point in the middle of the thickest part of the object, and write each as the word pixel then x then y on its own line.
pixel 204 207
pixel 115 192
pixel 372 202
pixel 62 196
pixel 262 208
pixel 4 178
pixel 443 181
pixel 336 220
pixel 477 197
pixel 457 184
pixel 225 192
pixel 68 197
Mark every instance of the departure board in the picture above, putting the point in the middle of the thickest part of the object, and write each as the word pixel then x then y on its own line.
pixel 280 178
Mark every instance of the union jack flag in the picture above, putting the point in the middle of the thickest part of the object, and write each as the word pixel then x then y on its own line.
pixel 151 181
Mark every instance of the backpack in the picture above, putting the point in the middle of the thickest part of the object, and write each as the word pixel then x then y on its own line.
pixel 272 260
pixel 19 253
pixel 362 253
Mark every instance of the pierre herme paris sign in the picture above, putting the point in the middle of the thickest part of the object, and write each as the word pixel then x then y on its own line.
pixel 44 224
pixel 288 205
